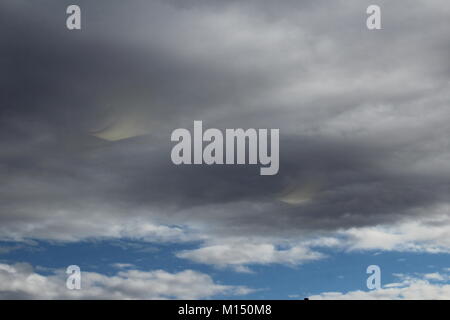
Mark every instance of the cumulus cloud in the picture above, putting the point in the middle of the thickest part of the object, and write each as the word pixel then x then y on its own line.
pixel 420 287
pixel 432 236
pixel 240 252
pixel 20 281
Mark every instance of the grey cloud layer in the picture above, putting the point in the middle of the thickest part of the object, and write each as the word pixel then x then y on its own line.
pixel 363 116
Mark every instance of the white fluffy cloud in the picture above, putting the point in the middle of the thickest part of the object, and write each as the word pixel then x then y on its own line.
pixel 426 235
pixel 430 235
pixel 240 252
pixel 432 286
pixel 20 281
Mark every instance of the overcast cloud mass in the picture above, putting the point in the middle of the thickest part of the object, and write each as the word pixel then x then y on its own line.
pixel 86 118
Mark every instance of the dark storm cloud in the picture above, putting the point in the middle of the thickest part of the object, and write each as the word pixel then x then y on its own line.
pixel 363 115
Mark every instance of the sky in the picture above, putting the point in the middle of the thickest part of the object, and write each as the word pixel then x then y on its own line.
pixel 85 123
